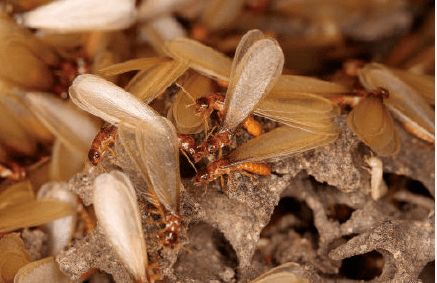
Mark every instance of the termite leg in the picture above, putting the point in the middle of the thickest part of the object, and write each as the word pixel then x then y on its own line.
pixel 90 223
pixel 153 272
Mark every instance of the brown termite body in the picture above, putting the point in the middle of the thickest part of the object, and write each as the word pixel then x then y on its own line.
pixel 222 167
pixel 103 141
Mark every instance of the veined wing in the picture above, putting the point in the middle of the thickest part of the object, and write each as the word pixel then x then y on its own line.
pixel 279 142
pixel 253 75
pixel 154 150
pixel 108 101
pixel 117 211
pixel 403 99
pixel 373 124
pixel 200 57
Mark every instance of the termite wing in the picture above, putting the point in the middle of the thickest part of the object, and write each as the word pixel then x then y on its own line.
pixel 154 152
pixel 117 212
pixel 142 130
pixel 405 99
pixel 257 65
pixel 293 100
pixel 371 121
pixel 278 143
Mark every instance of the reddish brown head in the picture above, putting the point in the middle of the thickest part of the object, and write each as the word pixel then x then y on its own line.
pixel 94 156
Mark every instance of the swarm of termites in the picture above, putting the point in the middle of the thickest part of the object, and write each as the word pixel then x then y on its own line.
pixel 217 141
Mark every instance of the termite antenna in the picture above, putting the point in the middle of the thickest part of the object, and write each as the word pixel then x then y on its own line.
pixel 187 94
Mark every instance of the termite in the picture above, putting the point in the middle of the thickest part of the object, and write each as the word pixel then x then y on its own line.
pixel 371 121
pixel 103 141
pixel 279 142
pixel 408 97
pixel 139 127
pixel 254 52
pixel 159 168
pixel 224 167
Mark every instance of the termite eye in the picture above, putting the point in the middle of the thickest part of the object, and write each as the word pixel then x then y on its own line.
pixel 94 156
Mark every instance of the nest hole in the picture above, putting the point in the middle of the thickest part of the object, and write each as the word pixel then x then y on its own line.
pixel 206 255
pixel 291 206
pixel 399 182
pixel 340 212
pixel 365 267
pixel 428 273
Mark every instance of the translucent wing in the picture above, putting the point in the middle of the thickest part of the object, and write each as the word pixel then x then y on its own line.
pixel 373 124
pixel 424 84
pixel 73 127
pixel 82 15
pixel 138 64
pixel 302 110
pixel 25 60
pixel 252 77
pixel 183 110
pixel 43 270
pixel 279 142
pixel 32 213
pixel 219 13
pixel 108 101
pixel 148 84
pixel 13 256
pixel 403 99
pixel 16 193
pixel 302 84
pixel 117 212
pixel 200 57
pixel 154 149
pixel 289 272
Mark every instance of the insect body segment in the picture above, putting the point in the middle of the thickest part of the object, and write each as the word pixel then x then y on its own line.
pixel 104 139
pixel 224 167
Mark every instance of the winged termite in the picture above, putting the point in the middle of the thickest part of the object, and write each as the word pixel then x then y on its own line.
pixel 279 142
pixel 81 15
pixel 184 110
pixel 257 65
pixel 404 100
pixel 117 212
pixel 373 124
pixel 153 149
pixel 111 103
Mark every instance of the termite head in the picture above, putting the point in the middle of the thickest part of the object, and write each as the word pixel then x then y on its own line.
pixel 187 143
pixel 202 104
pixel 94 156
